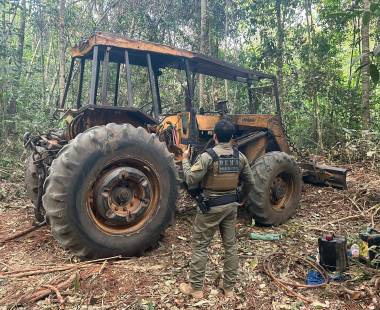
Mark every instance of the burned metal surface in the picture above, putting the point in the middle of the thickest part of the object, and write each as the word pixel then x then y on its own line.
pixel 281 190
pixel 324 175
pixel 111 198
pixel 91 116
pixel 44 150
pixel 124 196
pixel 166 56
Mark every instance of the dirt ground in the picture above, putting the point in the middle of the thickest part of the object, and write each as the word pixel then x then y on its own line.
pixel 151 281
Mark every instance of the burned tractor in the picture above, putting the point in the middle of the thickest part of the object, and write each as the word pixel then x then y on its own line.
pixel 108 181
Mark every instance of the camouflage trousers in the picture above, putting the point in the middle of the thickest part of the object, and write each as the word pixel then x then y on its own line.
pixel 221 218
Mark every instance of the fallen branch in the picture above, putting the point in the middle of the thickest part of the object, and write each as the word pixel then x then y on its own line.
pixel 22 233
pixel 355 295
pixel 102 267
pixel 46 290
pixel 352 201
pixel 366 214
pixel 345 218
pixel 35 272
pixel 31 272
pixel 56 291
pixel 42 293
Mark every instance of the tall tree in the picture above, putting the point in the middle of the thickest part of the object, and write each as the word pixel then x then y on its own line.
pixel 12 107
pixel 203 44
pixel 62 48
pixel 226 12
pixel 312 69
pixel 365 62
pixel 21 38
pixel 280 47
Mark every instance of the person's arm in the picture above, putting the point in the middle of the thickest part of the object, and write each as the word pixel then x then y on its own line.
pixel 195 173
pixel 246 176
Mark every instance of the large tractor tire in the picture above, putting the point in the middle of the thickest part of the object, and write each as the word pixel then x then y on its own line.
pixel 275 196
pixel 31 179
pixel 31 186
pixel 111 191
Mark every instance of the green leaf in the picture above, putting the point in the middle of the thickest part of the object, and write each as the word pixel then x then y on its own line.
pixel 254 262
pixel 366 17
pixel 373 6
pixel 356 59
pixel 376 50
pixel 374 73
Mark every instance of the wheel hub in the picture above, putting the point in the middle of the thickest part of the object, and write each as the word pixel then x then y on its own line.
pixel 122 195
pixel 279 191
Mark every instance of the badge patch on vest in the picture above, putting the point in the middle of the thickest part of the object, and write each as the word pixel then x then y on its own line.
pixel 228 164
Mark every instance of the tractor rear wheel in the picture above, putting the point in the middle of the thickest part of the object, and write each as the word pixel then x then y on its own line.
pixel 31 186
pixel 111 191
pixel 31 179
pixel 275 196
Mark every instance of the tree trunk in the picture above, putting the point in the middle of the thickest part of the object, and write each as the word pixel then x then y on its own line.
pixel 47 66
pixel 280 47
pixel 21 38
pixel 62 48
pixel 203 50
pixel 226 7
pixel 12 107
pixel 318 126
pixel 365 66
pixel 317 130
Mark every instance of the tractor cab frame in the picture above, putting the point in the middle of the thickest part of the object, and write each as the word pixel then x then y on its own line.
pixel 108 184
pixel 102 49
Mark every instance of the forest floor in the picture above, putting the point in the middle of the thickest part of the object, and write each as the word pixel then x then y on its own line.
pixel 151 281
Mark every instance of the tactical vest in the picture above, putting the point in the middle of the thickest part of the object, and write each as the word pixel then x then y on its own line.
pixel 223 173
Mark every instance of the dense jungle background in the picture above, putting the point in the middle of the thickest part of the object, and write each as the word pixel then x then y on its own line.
pixel 325 54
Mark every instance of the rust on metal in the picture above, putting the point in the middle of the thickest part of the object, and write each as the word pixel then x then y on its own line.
pixel 166 56
pixel 254 149
pixel 324 175
pixel 124 197
pixel 281 191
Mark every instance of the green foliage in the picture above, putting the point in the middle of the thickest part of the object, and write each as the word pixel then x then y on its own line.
pixel 358 145
pixel 321 61
pixel 374 72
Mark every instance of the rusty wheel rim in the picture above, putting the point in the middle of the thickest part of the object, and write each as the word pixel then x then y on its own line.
pixel 281 191
pixel 124 197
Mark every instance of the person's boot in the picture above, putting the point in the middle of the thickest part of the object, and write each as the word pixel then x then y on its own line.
pixel 228 292
pixel 187 289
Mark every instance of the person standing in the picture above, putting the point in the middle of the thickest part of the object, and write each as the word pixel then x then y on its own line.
pixel 218 172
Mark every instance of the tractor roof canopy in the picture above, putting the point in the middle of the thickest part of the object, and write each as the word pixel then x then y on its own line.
pixel 101 49
pixel 161 56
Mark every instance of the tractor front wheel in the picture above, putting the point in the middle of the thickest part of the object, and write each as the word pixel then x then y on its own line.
pixel 275 196
pixel 111 191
